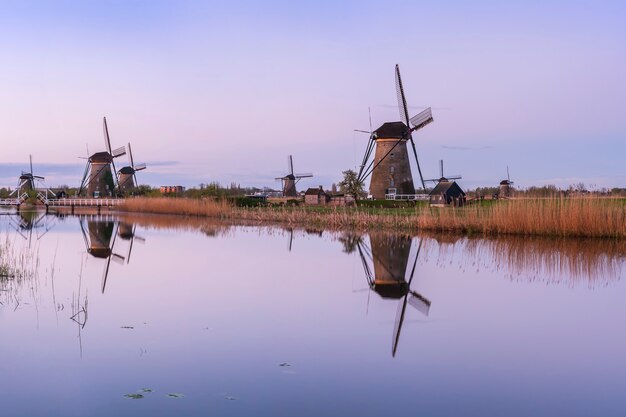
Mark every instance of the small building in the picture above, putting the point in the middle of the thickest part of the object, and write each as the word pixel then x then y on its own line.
pixel 339 199
pixel 447 193
pixel 171 189
pixel 316 197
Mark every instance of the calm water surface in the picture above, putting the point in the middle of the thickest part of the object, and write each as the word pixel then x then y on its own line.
pixel 231 321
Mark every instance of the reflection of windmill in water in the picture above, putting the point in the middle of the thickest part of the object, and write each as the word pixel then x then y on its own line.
pixel 126 231
pixel 28 222
pixel 98 179
pixel 99 236
pixel 290 180
pixel 390 258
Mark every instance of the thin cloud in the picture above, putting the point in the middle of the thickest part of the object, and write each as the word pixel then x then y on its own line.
pixel 162 163
pixel 395 106
pixel 467 148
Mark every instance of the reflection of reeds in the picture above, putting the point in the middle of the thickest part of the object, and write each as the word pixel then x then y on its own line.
pixel 595 262
pixel 574 217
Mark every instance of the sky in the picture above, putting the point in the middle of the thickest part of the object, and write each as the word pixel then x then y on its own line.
pixel 225 91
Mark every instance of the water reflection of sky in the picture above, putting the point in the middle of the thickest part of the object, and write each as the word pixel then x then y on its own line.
pixel 215 311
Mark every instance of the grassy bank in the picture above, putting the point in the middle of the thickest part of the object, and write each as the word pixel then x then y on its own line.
pixel 574 217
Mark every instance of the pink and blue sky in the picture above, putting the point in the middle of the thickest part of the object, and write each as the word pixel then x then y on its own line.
pixel 224 91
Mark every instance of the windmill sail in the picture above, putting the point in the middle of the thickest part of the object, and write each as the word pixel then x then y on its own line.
pixel 421 119
pixel 404 113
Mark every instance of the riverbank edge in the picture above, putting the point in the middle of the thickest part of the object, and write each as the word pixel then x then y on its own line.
pixel 579 218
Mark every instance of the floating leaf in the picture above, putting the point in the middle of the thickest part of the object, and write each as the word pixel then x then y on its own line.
pixel 229 398
pixel 284 364
pixel 133 396
pixel 175 395
pixel 127 327
pixel 146 390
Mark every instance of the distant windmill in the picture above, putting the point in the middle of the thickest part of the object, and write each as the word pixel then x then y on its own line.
pixel 99 237
pixel 126 176
pixel 387 275
pixel 442 177
pixel 390 168
pixel 505 190
pixel 28 181
pixel 290 180
pixel 98 179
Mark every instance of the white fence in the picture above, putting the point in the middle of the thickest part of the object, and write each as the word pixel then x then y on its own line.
pixel 406 197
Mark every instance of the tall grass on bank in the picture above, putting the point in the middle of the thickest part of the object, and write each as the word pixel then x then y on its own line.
pixel 565 217
pixel 179 206
pixel 573 217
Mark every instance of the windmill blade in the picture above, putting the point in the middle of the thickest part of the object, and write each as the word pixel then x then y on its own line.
pixel 419 303
pixel 421 119
pixel 118 152
pixel 83 184
pixel 369 112
pixel 118 259
pixel 398 326
pixel 363 131
pixel 107 140
pixel 290 238
pixel 105 273
pixel 290 164
pixel 404 112
pixel 305 175
pixel 130 246
pixel 82 228
pixel 130 155
pixel 140 167
pixel 30 157
pixel 508 177
pixel 417 162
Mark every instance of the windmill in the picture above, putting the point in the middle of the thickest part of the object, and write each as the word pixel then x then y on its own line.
pixel 390 256
pixel 98 179
pixel 390 168
pixel 127 179
pixel 444 178
pixel 505 190
pixel 290 180
pixel 99 237
pixel 28 181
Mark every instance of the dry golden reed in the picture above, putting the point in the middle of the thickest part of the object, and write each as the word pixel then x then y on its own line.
pixel 573 217
pixel 566 217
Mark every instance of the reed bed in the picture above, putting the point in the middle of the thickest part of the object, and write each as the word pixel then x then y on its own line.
pixel 563 217
pixel 573 217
